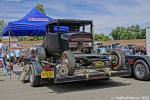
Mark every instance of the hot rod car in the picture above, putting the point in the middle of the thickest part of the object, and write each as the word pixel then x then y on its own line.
pixel 66 55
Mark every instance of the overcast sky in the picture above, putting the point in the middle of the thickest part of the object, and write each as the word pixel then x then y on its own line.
pixel 106 14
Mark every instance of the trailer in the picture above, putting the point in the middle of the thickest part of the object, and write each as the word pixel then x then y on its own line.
pixel 67 55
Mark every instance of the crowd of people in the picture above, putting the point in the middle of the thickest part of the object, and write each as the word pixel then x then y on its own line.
pixel 15 56
pixel 4 55
pixel 128 50
pixel 10 57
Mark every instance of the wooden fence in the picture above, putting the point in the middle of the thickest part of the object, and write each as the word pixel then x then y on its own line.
pixel 28 44
pixel 126 42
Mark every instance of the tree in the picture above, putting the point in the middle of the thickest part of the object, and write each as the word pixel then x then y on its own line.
pixel 2 25
pixel 143 33
pixel 40 7
pixel 131 32
pixel 101 37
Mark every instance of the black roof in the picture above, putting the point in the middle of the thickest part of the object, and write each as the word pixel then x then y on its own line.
pixel 70 22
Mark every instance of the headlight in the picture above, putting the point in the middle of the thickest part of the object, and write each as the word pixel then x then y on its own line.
pixel 73 44
pixel 90 44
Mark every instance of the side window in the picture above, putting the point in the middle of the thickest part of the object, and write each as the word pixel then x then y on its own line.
pixel 50 29
pixel 74 28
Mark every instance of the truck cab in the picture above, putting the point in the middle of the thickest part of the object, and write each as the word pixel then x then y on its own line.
pixel 69 35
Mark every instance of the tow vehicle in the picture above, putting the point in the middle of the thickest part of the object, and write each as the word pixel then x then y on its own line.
pixel 66 55
pixel 139 66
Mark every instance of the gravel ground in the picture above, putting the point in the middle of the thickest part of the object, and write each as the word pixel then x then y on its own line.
pixel 114 89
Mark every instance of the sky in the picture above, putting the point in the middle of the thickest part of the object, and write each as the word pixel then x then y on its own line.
pixel 106 14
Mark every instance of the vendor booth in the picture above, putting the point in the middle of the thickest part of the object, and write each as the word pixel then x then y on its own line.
pixel 32 24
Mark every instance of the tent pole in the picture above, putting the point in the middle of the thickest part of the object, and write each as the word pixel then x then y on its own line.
pixel 9 55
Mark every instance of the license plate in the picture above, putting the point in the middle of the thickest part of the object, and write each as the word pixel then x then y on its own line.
pixel 99 63
pixel 47 74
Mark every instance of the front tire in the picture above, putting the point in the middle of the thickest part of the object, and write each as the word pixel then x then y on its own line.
pixel 69 61
pixel 118 59
pixel 141 70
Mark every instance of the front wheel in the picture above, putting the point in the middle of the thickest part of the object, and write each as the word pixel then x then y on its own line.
pixel 34 80
pixel 117 60
pixel 141 70
pixel 69 62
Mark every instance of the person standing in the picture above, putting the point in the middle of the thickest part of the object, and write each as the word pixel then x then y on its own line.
pixel 12 55
pixel 3 59
pixel 18 54
pixel 33 54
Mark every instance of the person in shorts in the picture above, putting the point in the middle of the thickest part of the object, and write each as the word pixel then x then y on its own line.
pixel 18 54
pixel 12 55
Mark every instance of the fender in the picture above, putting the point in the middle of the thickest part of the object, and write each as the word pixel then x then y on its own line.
pixel 36 67
pixel 142 57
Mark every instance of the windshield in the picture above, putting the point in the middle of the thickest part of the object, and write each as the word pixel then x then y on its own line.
pixel 69 29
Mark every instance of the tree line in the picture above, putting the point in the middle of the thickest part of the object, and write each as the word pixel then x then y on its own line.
pixel 123 33
pixel 130 32
pixel 2 25
pixel 101 37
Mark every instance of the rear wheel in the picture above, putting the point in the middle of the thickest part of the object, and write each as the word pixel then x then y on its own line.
pixel 34 80
pixel 141 70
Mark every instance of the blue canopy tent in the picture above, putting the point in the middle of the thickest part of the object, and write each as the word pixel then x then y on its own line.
pixel 33 24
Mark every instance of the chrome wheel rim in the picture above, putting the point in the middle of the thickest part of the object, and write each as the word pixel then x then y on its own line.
pixel 140 70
